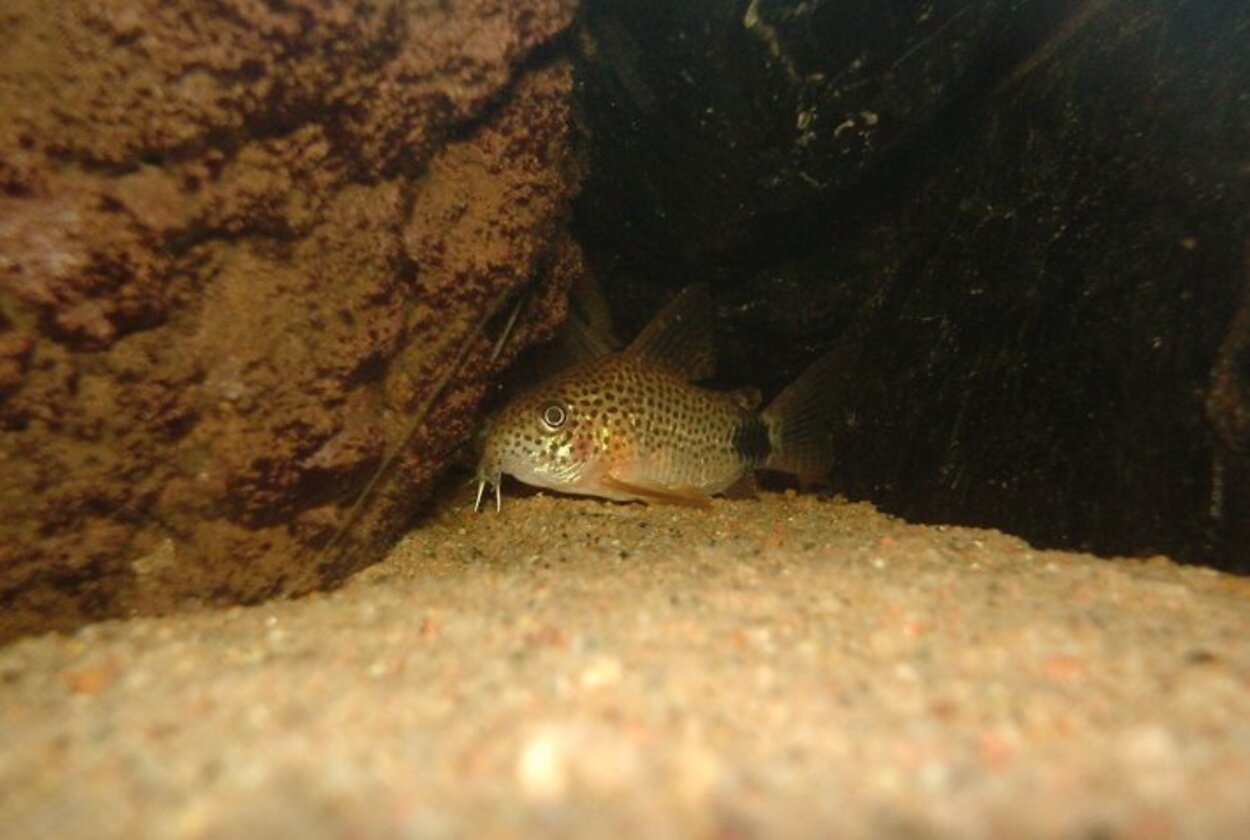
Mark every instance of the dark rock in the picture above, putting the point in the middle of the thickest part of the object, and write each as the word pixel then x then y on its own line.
pixel 1022 224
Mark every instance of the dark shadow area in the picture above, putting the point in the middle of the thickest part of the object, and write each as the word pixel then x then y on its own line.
pixel 1023 224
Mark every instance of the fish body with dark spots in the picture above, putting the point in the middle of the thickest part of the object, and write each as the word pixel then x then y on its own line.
pixel 621 428
pixel 632 426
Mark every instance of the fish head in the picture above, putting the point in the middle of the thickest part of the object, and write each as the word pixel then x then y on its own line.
pixel 545 437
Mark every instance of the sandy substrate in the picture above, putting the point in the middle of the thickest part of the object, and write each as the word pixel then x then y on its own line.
pixel 769 667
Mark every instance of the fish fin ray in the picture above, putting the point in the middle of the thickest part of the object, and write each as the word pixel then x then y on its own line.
pixel 801 419
pixel 746 487
pixel 650 492
pixel 681 336
pixel 576 341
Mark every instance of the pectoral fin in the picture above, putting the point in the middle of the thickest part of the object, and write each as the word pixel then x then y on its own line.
pixel 657 494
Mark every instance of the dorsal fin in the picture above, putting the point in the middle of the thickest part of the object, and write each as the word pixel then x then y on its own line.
pixel 680 336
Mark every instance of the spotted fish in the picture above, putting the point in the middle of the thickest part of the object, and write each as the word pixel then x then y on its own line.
pixel 632 426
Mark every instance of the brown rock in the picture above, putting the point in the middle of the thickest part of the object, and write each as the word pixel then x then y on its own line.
pixel 239 247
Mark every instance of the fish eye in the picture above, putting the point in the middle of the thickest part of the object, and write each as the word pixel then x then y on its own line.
pixel 554 416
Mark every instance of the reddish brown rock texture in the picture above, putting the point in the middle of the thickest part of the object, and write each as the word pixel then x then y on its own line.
pixel 240 243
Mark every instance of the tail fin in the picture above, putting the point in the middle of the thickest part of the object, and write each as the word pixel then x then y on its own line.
pixel 800 422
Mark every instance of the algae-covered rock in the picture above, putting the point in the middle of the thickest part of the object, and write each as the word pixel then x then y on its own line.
pixel 240 244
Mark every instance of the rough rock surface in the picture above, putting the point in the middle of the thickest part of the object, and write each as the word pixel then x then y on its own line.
pixel 776 667
pixel 1022 221
pixel 240 243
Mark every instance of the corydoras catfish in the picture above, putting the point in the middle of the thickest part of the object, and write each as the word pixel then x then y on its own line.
pixel 633 426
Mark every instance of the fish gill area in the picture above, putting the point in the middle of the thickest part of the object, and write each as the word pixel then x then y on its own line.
pixel 264 266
